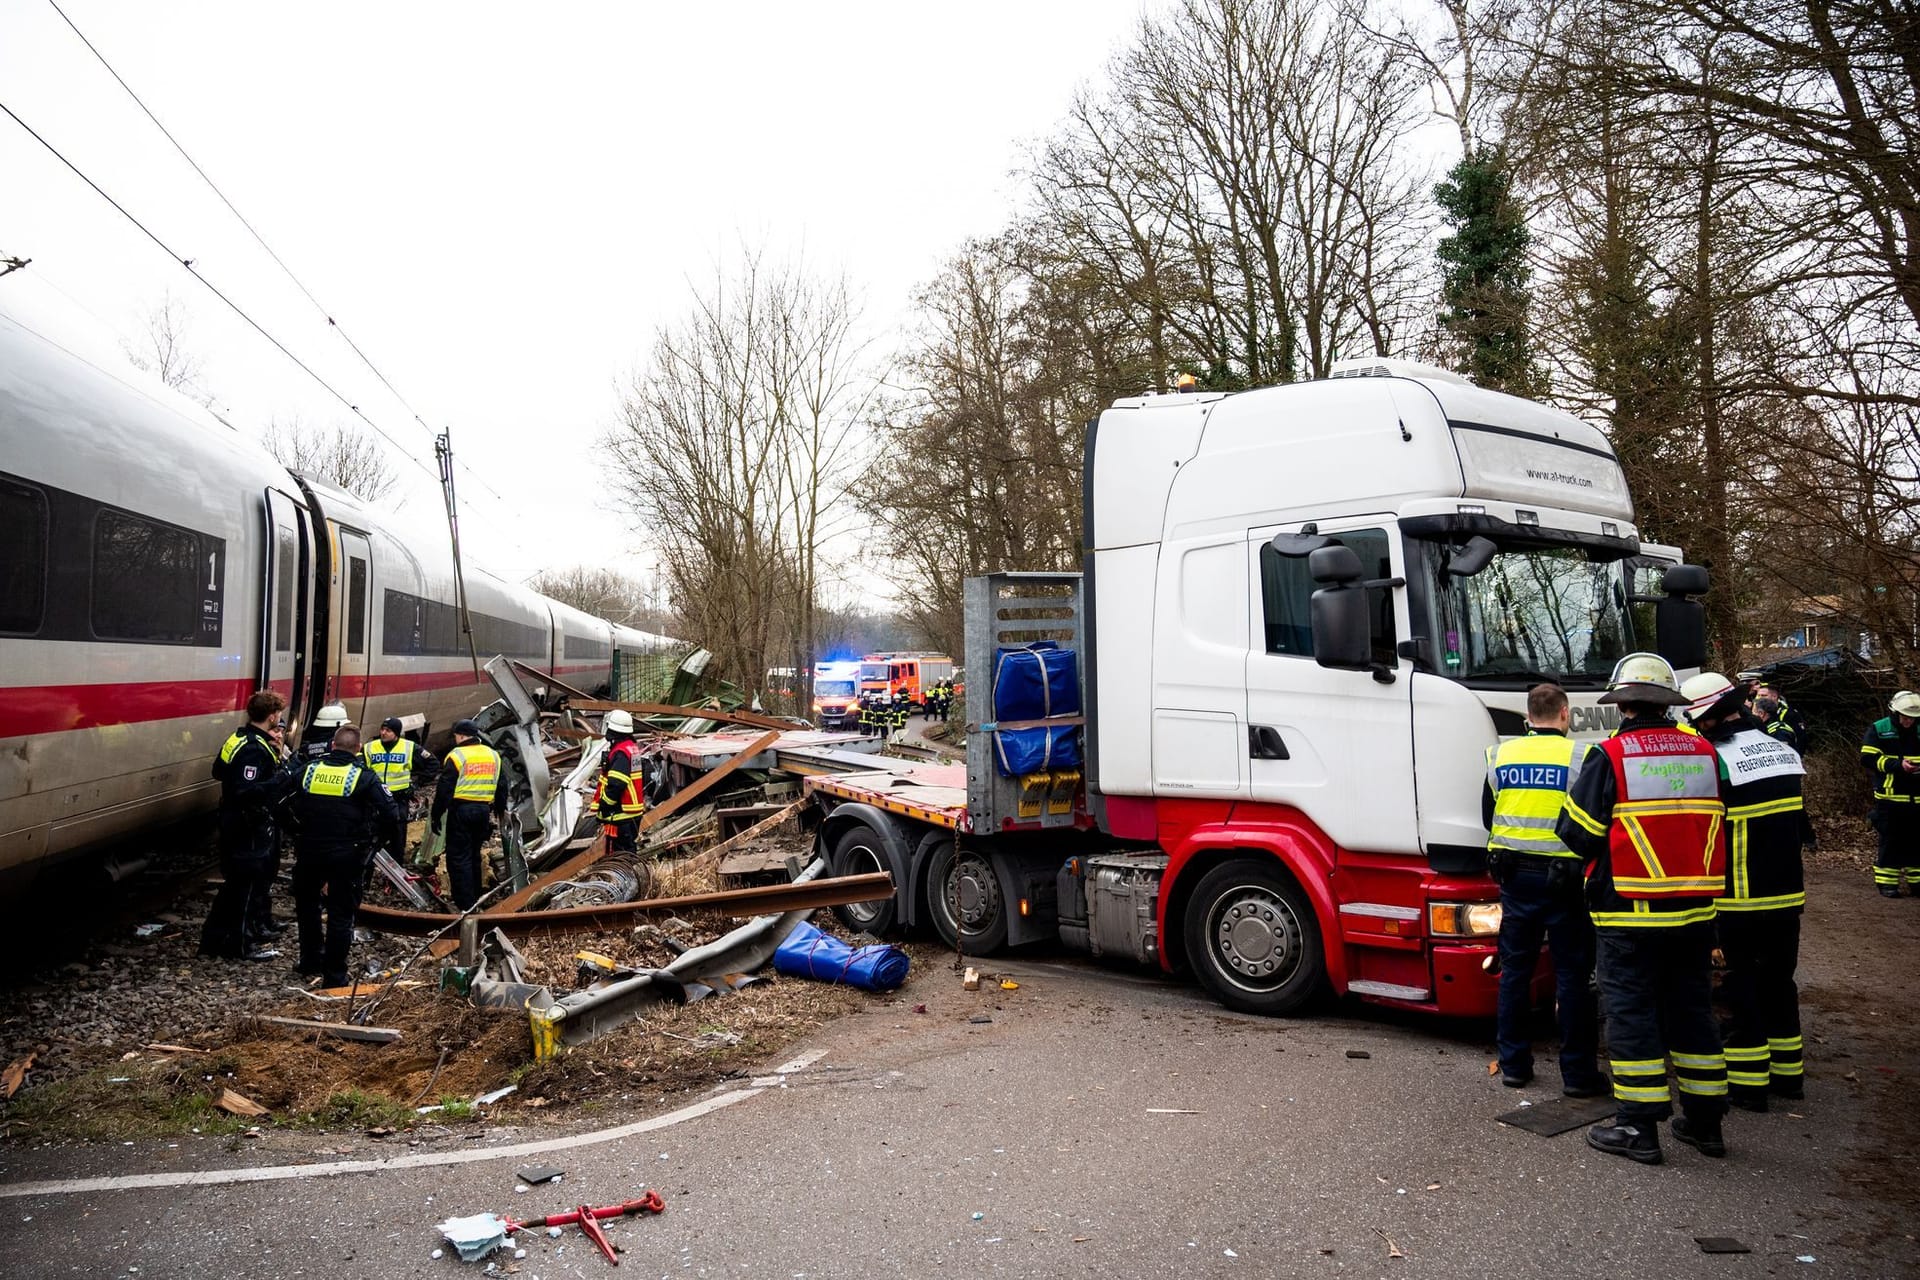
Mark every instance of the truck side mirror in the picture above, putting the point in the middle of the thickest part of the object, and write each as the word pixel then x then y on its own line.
pixel 1680 624
pixel 1472 558
pixel 1334 565
pixel 1342 631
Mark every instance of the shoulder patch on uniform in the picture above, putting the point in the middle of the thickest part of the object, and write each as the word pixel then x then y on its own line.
pixel 250 772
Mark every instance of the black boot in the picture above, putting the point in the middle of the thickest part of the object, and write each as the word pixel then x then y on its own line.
pixel 1789 1087
pixel 1596 1088
pixel 1702 1135
pixel 1636 1140
pixel 1748 1099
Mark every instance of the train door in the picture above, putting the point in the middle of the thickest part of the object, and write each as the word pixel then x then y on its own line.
pixel 355 622
pixel 284 602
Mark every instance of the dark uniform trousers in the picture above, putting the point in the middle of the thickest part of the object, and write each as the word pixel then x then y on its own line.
pixel 467 829
pixel 1657 983
pixel 249 859
pixel 1537 906
pixel 331 878
pixel 1898 825
pixel 1764 1046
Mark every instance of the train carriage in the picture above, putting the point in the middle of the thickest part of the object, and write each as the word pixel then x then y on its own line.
pixel 157 566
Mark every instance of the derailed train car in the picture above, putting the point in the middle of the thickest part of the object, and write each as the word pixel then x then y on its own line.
pixel 156 567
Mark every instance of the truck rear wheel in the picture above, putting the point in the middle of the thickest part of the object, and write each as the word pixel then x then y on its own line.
pixel 1252 938
pixel 860 851
pixel 964 900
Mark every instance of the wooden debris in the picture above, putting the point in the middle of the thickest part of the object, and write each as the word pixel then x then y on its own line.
pixel 238 1104
pixel 970 981
pixel 15 1075
pixel 343 1030
pixel 172 1048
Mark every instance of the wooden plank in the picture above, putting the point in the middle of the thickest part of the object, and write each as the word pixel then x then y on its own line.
pixel 684 713
pixel 763 900
pixel 342 1030
pixel 586 858
pixel 759 828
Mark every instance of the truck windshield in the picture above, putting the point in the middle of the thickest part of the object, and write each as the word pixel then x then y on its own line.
pixel 833 688
pixel 1535 612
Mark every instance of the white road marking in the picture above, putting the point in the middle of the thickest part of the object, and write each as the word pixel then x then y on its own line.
pixel 420 1160
pixel 800 1063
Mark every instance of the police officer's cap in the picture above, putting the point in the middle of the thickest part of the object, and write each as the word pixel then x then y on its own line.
pixel 466 729
pixel 391 722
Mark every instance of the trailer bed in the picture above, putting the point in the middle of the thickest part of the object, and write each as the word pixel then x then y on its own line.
pixel 931 793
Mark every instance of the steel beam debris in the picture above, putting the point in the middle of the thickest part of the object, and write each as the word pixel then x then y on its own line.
pixel 684 713
pixel 810 896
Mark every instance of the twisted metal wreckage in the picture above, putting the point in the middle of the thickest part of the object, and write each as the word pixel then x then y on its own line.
pixel 561 875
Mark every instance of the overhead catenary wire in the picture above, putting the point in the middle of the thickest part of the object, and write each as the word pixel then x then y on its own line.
pixel 214 289
pixel 278 261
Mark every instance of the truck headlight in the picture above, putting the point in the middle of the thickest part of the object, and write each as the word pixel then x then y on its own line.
pixel 1463 919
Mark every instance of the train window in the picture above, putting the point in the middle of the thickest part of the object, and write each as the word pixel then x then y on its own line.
pixel 23 569
pixel 356 605
pixel 153 583
pixel 285 564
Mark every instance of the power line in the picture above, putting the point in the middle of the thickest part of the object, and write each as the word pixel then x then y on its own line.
pixel 257 237
pixel 215 290
pixel 267 248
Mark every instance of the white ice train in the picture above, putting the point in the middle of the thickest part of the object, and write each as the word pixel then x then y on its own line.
pixel 156 567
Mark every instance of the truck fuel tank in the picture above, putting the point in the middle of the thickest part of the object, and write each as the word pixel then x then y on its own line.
pixel 1107 904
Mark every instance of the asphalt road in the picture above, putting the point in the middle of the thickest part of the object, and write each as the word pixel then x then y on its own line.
pixel 1101 1124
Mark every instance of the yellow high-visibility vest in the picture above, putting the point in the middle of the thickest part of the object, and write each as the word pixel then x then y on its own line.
pixel 330 779
pixel 478 766
pixel 1530 778
pixel 393 765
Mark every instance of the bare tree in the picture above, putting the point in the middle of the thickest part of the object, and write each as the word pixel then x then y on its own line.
pixel 165 353
pixel 342 455
pixel 734 445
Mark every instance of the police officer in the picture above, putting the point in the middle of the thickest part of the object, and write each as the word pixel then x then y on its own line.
pixel 395 762
pixel 469 792
pixel 1891 750
pixel 1540 895
pixel 622 795
pixel 1759 915
pixel 251 768
pixel 343 810
pixel 1647 811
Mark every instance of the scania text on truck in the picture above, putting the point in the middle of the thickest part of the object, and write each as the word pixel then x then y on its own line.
pixel 1307 613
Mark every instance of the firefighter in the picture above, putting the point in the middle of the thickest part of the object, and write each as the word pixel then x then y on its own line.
pixel 622 795
pixel 468 794
pixel 318 738
pixel 1892 751
pixel 1768 711
pixel 343 812
pixel 251 768
pixel 1759 915
pixel 901 708
pixel 1756 686
pixel 1540 883
pixel 946 699
pixel 869 714
pixel 395 762
pixel 1647 812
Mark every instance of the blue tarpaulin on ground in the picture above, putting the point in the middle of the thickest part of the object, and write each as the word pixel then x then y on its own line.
pixel 809 953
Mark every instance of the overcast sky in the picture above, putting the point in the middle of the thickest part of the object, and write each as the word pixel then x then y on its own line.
pixel 501 202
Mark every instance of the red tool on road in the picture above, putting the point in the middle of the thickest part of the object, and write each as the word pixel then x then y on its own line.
pixel 588 1218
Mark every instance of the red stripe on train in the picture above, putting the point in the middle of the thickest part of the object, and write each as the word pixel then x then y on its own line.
pixel 37 709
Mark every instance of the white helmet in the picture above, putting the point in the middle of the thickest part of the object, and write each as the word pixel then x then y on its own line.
pixel 1905 703
pixel 618 721
pixel 331 716
pixel 1704 692
pixel 1643 677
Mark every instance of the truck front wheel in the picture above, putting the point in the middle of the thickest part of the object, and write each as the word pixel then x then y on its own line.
pixel 860 851
pixel 1252 938
pixel 968 909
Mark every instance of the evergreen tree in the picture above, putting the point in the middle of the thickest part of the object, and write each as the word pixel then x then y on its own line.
pixel 1484 274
